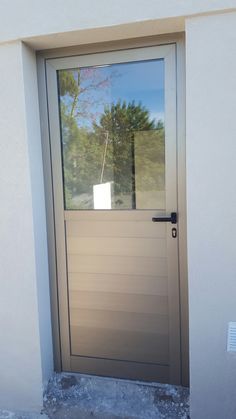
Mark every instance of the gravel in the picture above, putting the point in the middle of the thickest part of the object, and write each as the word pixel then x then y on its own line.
pixel 76 396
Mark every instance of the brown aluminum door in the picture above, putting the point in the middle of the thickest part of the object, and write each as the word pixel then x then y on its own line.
pixel 113 140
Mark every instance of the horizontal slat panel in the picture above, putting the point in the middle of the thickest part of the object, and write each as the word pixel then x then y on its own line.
pixel 119 302
pixel 116 246
pixel 115 229
pixel 116 320
pixel 140 284
pixel 117 265
pixel 120 369
pixel 117 274
pixel 121 345
pixel 115 215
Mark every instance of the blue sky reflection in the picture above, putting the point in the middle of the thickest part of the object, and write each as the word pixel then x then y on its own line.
pixel 141 82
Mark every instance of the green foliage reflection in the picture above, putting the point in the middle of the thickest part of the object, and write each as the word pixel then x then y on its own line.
pixel 122 145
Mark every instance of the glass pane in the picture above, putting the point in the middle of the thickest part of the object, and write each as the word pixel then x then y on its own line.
pixel 113 137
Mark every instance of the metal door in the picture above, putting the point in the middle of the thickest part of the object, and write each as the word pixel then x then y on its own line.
pixel 112 119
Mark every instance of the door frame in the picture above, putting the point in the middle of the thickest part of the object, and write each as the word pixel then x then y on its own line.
pixel 109 365
pixel 42 57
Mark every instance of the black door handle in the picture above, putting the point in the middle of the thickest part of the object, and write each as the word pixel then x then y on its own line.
pixel 172 218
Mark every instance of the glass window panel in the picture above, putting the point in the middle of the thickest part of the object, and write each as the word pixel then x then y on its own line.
pixel 113 136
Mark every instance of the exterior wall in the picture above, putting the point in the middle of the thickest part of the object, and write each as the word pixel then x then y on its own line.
pixel 38 207
pixel 211 191
pixel 24 317
pixel 25 329
pixel 28 18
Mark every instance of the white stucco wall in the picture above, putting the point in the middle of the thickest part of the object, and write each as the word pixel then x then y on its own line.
pixel 211 191
pixel 25 329
pixel 29 18
pixel 26 362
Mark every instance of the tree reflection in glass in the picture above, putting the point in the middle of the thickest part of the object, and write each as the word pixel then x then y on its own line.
pixel 112 133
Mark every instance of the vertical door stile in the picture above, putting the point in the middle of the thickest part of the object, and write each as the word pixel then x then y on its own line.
pixel 56 162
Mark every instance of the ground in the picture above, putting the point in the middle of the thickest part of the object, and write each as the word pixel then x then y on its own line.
pixel 83 397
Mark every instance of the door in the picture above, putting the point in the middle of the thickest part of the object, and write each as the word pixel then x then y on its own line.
pixel 112 119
